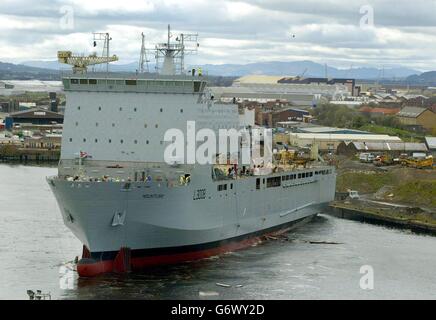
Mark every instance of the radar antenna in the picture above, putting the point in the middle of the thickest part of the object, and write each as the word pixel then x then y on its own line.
pixel 170 57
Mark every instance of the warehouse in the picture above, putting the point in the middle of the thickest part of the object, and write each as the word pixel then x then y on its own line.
pixel 393 148
pixel 36 116
pixel 330 142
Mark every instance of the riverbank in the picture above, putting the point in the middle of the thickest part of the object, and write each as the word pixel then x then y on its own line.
pixel 411 218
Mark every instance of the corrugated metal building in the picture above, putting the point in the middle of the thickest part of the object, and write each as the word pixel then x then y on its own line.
pixel 330 142
pixel 393 148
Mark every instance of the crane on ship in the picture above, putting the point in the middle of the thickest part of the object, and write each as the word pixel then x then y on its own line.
pixel 81 63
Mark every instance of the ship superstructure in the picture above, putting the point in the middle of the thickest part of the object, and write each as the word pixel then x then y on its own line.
pixel 131 208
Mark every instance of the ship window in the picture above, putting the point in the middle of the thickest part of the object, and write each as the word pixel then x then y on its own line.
pixel 99 108
pixel 161 110
pixel 136 141
pixel 74 81
pixel 71 139
pixel 156 126
pixel 231 186
pixel 101 81
pixel 147 142
pixel 181 110
pixel 77 123
pixel 96 124
pixel 83 81
pixel 110 81
pixel 131 82
pixel 145 125
pixel 84 139
pixel 197 86
pixel 110 140
pixel 92 81
pixel 113 124
pixel 121 108
pixel 258 183
pixel 299 176
pixel 96 140
pixel 134 109
pixel 78 108
pixel 121 141
pixel 121 82
pixel 273 182
pixel 222 187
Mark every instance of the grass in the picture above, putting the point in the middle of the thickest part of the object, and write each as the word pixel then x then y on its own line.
pixel 364 182
pixel 403 134
pixel 422 192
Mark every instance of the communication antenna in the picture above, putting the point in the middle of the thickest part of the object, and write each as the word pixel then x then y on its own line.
pixel 173 55
pixel 143 57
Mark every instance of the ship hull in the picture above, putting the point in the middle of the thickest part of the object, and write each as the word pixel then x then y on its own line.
pixel 125 260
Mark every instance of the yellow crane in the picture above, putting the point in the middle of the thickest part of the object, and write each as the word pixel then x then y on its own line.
pixel 80 63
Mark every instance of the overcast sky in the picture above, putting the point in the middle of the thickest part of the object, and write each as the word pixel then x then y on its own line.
pixel 337 32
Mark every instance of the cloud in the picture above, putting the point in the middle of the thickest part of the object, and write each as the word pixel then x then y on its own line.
pixel 326 31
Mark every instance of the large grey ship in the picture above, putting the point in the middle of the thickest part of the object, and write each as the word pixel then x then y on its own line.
pixel 132 209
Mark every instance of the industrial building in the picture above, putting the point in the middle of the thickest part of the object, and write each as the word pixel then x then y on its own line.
pixel 299 91
pixel 36 116
pixel 431 145
pixel 330 142
pixel 417 118
pixel 271 118
pixel 393 148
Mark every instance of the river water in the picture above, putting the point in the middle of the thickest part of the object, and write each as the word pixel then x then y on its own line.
pixel 36 251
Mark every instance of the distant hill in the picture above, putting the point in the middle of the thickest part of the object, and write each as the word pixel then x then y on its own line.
pixel 309 68
pixel 425 78
pixel 294 68
pixel 10 71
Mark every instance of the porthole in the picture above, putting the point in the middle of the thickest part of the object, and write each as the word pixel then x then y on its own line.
pixel 161 110
pixel 136 141
pixel 122 141
pixel 147 142
pixel 99 108
pixel 156 126
pixel 145 125
pixel 181 110
pixel 110 140
pixel 113 124
pixel 78 108
pixel 121 109
pixel 134 109
pixel 95 140
pixel 77 123
pixel 84 139
pixel 96 124
pixel 71 139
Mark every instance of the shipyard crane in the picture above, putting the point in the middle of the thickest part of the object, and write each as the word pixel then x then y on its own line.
pixel 80 63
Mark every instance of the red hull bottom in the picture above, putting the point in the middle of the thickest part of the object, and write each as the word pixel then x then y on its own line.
pixel 123 261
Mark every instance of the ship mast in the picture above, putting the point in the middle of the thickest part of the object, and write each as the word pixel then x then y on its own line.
pixel 173 54
pixel 143 56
